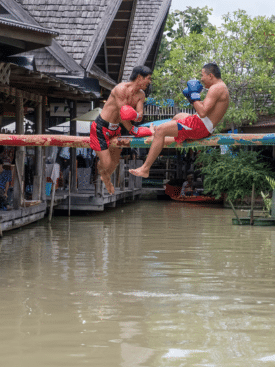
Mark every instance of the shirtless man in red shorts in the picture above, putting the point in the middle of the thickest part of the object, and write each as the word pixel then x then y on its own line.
pixel 210 111
pixel 124 104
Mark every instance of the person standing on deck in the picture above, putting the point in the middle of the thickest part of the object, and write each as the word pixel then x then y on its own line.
pixel 5 178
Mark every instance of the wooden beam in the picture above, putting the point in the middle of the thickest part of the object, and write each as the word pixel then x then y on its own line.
pixel 106 57
pixel 101 32
pixel 131 142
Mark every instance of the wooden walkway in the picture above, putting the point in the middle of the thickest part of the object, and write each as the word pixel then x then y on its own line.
pixel 96 197
pixel 87 200
pixel 13 219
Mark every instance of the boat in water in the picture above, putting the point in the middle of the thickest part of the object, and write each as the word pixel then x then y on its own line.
pixel 174 193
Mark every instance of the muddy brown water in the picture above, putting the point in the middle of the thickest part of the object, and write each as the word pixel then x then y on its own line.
pixel 145 284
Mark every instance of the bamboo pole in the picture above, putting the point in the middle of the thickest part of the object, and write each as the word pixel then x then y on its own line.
pixel 52 202
pixel 21 183
pixel 234 210
pixel 69 197
pixel 252 204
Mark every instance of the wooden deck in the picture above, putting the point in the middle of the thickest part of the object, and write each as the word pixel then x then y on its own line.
pixel 13 219
pixel 95 197
pixel 88 200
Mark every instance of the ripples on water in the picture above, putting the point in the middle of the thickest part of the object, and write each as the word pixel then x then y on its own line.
pixel 145 284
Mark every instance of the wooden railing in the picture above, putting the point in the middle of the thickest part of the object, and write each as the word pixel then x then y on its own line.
pixel 153 113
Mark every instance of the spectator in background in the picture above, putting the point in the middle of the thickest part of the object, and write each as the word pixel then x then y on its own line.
pixel 188 188
pixel 5 178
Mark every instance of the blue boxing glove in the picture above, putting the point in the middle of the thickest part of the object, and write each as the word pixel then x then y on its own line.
pixel 186 94
pixel 194 88
pixel 192 92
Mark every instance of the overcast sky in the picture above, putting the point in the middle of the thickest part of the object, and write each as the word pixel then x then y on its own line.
pixel 252 7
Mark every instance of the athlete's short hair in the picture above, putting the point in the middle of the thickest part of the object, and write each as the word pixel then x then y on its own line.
pixel 140 70
pixel 212 68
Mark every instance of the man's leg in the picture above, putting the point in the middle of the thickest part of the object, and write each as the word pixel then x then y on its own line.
pixel 167 129
pixel 181 116
pixel 104 166
pixel 115 157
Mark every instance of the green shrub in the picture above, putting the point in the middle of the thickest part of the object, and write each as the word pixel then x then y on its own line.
pixel 233 173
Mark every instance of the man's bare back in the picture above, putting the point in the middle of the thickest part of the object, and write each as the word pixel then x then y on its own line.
pixel 221 105
pixel 216 102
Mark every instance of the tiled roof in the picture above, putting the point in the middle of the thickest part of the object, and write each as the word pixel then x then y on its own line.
pixel 75 21
pixel 16 24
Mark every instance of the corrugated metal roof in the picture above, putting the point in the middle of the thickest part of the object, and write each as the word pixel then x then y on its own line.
pixel 14 23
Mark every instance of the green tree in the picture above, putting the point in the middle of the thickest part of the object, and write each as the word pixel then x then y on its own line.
pixel 243 47
pixel 178 25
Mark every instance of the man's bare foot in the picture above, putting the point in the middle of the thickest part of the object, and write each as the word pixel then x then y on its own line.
pixel 108 184
pixel 140 172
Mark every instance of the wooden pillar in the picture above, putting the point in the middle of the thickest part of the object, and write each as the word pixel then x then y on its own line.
pixel 73 150
pixel 18 189
pixel 132 178
pixel 139 163
pixel 122 175
pixel 44 108
pixel 19 114
pixel 37 180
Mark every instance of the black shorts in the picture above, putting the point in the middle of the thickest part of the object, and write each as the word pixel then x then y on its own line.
pixel 101 132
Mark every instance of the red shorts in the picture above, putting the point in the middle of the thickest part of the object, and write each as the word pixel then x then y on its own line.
pixel 192 128
pixel 101 132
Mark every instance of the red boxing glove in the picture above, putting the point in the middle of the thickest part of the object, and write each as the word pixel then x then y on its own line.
pixel 140 132
pixel 128 113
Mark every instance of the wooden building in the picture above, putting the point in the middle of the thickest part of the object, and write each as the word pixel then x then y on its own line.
pixel 22 87
pixel 69 53
pixel 101 39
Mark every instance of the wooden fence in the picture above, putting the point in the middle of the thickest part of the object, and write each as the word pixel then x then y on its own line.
pixel 153 113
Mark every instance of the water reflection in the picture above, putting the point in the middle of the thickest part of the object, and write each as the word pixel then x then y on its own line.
pixel 148 284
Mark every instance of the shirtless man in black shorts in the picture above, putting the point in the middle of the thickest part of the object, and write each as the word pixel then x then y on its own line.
pixel 124 104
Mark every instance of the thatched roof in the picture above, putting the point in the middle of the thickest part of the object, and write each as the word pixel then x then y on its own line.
pixel 105 38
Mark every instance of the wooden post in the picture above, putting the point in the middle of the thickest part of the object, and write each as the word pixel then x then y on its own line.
pixel 273 204
pixel 132 178
pixel 69 197
pixel 52 202
pixel 234 210
pixel 252 204
pixel 122 175
pixel 43 185
pixel 18 190
pixel 73 150
pixel 139 163
pixel 37 180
